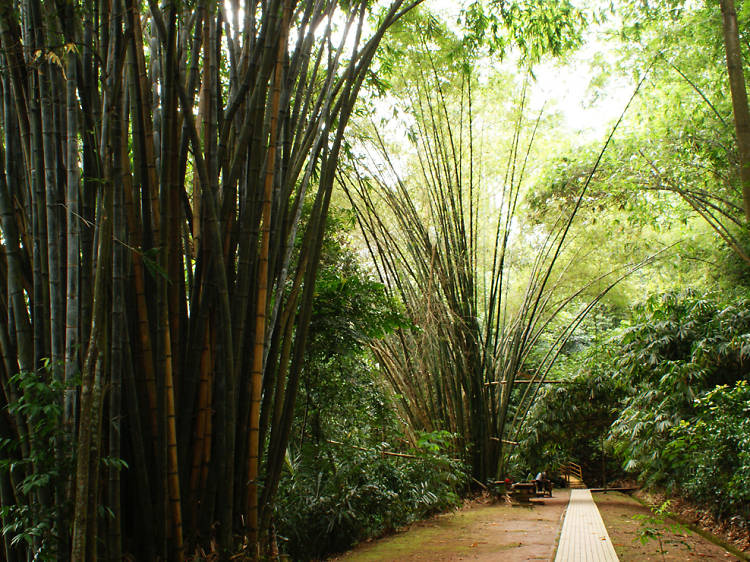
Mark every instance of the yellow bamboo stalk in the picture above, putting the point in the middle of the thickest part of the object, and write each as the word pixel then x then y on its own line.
pixel 147 124
pixel 201 424
pixel 256 374
pixel 207 442
pixel 173 476
pixel 144 333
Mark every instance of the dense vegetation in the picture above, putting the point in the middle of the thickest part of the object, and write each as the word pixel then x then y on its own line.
pixel 284 275
pixel 350 473
pixel 658 393
pixel 664 397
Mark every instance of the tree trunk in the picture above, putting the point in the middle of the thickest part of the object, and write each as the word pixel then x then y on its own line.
pixel 739 97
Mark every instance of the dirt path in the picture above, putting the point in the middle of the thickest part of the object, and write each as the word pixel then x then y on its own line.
pixel 617 511
pixel 501 532
pixel 478 532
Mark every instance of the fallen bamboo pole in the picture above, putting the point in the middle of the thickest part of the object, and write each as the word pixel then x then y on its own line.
pixel 526 382
pixel 387 453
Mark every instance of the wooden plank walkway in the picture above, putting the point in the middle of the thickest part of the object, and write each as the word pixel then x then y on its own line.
pixel 584 537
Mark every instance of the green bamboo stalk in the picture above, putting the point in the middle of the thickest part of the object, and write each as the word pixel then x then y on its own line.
pixel 120 170
pixel 22 322
pixel 72 367
pixel 90 404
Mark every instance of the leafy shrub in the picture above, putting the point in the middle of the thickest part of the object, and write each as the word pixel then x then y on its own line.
pixel 569 423
pixel 35 470
pixel 673 384
pixel 335 496
pixel 338 488
pixel 711 452
pixel 679 346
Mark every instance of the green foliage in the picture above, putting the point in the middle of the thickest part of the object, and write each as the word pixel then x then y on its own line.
pixel 39 466
pixel 671 172
pixel 653 525
pixel 669 388
pixel 683 425
pixel 679 138
pixel 711 451
pixel 35 475
pixel 569 422
pixel 536 27
pixel 340 392
pixel 679 346
pixel 335 496
pixel 338 487
pixel 353 307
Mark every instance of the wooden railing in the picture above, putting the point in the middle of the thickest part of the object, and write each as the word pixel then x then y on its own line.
pixel 571 469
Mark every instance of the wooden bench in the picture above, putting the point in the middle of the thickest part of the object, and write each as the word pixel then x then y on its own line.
pixel 522 492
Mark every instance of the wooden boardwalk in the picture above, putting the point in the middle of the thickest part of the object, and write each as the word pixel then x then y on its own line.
pixel 584 537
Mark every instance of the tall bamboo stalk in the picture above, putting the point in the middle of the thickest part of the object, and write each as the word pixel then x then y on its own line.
pixel 256 374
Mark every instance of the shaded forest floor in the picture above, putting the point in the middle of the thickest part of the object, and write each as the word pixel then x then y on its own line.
pixel 483 530
pixel 678 543
pixel 731 532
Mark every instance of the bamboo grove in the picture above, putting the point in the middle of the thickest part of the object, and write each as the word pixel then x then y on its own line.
pixel 165 175
pixel 451 257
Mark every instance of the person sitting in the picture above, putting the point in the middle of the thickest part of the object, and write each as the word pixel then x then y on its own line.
pixel 543 484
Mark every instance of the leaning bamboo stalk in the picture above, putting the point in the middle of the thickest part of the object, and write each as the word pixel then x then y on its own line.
pixel 280 434
pixel 273 386
pixel 139 225
pixel 168 172
pixel 383 453
pixel 144 128
pixel 140 468
pixel 92 169
pixel 96 490
pixel 54 251
pixel 209 439
pixel 14 311
pixel 10 36
pixel 142 308
pixel 311 147
pixel 39 233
